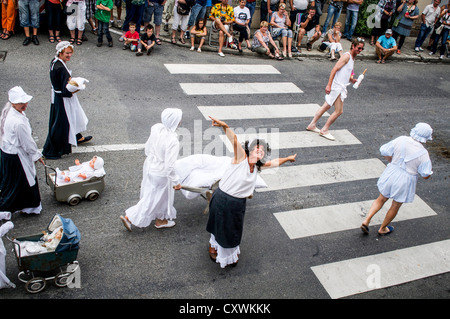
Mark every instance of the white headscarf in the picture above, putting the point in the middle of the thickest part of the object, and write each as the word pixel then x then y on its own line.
pixel 171 118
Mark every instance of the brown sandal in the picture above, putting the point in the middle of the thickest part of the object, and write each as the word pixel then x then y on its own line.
pixel 212 253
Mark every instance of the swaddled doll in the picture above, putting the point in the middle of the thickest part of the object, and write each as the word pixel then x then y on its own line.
pixel 4 228
pixel 82 171
pixel 76 84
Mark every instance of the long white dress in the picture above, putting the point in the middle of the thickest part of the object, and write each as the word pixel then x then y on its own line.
pixel 4 281
pixel 159 175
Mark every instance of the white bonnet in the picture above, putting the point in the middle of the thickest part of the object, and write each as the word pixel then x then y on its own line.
pixel 62 45
pixel 422 132
pixel 99 162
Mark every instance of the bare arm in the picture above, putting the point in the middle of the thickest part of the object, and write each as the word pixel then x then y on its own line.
pixel 279 161
pixel 239 152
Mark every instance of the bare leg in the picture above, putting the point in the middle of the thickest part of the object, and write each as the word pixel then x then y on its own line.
pixel 338 110
pixel 321 111
pixel 392 212
pixel 374 208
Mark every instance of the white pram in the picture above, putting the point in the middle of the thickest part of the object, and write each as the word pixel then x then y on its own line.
pixel 200 175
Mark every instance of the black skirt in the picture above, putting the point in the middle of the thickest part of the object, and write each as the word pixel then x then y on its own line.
pixel 226 218
pixel 15 191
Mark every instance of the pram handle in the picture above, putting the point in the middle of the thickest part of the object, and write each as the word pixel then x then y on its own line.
pixel 46 174
pixel 18 246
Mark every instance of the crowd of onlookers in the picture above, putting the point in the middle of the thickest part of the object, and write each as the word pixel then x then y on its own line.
pixel 287 21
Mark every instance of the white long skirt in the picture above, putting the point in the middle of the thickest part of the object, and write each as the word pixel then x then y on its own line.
pixel 156 201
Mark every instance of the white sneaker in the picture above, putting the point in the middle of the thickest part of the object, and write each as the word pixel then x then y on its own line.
pixel 431 53
pixel 221 54
pixel 192 48
pixel 420 49
pixel 416 49
pixel 199 50
pixel 441 57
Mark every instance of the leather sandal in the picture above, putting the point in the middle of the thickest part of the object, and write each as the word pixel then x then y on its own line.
pixel 212 253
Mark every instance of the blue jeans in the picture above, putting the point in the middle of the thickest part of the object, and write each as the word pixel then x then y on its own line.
pixel 103 28
pixel 444 35
pixel 332 11
pixel 133 13
pixel 197 12
pixel 319 6
pixel 29 13
pixel 423 33
pixel 350 23
pixel 156 10
pixel 251 6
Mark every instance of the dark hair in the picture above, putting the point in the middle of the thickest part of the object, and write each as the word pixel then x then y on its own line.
pixel 148 27
pixel 197 24
pixel 132 23
pixel 254 143
pixel 357 41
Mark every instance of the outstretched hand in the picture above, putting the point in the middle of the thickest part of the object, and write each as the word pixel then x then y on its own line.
pixel 291 158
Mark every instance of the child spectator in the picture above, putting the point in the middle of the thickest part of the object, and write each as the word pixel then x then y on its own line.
pixel 103 13
pixel 76 20
pixel 198 34
pixel 147 40
pixel 131 37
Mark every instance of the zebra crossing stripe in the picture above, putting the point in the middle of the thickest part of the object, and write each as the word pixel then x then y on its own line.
pixel 285 177
pixel 303 139
pixel 234 112
pixel 221 69
pixel 239 88
pixel 328 219
pixel 358 275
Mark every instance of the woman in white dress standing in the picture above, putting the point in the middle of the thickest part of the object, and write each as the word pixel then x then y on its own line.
pixel 407 160
pixel 159 177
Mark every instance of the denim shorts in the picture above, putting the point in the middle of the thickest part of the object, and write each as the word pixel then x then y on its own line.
pixel 153 9
pixel 29 13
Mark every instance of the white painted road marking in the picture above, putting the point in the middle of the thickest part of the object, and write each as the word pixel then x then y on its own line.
pixel 232 112
pixel 328 219
pixel 320 174
pixel 240 88
pixel 358 275
pixel 303 139
pixel 221 69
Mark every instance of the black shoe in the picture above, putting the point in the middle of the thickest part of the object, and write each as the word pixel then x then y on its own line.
pixel 149 51
pixel 35 40
pixel 27 41
pixel 139 53
pixel 99 44
pixel 110 44
pixel 84 139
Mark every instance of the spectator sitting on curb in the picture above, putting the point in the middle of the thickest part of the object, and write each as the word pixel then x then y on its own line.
pixel 222 16
pixel 310 26
pixel 385 46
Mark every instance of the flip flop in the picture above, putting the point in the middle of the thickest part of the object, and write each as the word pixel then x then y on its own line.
pixel 365 229
pixel 126 223
pixel 315 130
pixel 327 136
pixel 391 229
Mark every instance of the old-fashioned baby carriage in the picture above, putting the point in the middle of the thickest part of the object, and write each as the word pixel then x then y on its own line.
pixel 50 255
pixel 72 193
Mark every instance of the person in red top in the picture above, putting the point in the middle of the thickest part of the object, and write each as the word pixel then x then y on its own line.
pixel 131 38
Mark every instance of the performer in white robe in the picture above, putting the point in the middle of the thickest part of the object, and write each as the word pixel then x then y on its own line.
pixel 336 89
pixel 4 228
pixel 159 177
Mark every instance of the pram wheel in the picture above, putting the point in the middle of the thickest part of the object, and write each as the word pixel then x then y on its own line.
pixel 35 285
pixel 74 200
pixel 92 195
pixel 62 279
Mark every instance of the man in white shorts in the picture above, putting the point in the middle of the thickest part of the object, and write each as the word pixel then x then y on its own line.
pixel 336 89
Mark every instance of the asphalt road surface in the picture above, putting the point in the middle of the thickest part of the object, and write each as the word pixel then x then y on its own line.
pixel 125 97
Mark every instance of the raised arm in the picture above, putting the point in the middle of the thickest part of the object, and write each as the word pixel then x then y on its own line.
pixel 239 152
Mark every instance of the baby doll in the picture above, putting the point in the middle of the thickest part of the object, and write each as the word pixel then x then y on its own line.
pixel 82 171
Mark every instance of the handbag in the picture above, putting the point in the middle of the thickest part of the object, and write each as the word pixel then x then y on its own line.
pixel 439 30
pixel 396 21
